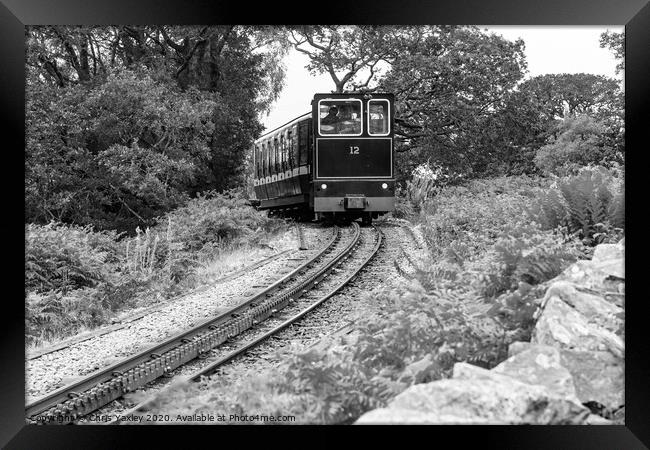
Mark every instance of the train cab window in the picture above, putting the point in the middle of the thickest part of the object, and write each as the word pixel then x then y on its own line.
pixel 340 117
pixel 378 117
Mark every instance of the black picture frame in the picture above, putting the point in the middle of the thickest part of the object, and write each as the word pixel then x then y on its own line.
pixel 15 14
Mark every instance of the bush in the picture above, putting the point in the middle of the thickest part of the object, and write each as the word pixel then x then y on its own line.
pixel 208 225
pixel 590 204
pixel 67 257
pixel 215 220
pixel 481 238
pixel 468 219
pixel 51 315
pixel 581 141
pixel 426 181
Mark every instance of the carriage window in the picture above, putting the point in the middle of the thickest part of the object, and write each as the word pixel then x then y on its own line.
pixel 303 144
pixel 274 154
pixel 339 117
pixel 292 149
pixel 378 117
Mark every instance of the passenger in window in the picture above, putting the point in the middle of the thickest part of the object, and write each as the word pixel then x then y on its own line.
pixel 377 120
pixel 330 121
pixel 348 120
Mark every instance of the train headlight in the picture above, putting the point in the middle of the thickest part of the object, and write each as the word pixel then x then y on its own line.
pixel 384 185
pixel 323 186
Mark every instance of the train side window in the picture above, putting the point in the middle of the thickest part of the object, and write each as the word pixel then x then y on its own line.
pixel 283 157
pixel 274 165
pixel 378 117
pixel 271 157
pixel 292 148
pixel 257 161
pixel 340 117
pixel 303 132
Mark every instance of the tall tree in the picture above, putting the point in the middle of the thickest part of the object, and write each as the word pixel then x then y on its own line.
pixel 133 118
pixel 449 85
pixel 349 54
pixel 616 43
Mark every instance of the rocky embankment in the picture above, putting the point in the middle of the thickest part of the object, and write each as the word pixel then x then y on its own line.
pixel 572 371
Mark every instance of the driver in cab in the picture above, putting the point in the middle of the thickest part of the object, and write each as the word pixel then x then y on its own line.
pixel 329 122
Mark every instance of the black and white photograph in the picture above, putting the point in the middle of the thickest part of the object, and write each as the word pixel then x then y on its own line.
pixel 324 224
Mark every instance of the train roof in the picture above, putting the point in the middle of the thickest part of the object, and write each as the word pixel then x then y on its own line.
pixel 291 122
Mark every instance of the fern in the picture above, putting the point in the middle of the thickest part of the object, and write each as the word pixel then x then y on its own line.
pixel 586 204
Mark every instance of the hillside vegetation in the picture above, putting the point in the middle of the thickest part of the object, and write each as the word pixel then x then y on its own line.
pixel 76 277
pixel 492 244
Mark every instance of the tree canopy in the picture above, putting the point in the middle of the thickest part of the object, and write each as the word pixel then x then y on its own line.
pixel 124 123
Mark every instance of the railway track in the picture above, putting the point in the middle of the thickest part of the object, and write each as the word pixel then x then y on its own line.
pixel 276 327
pixel 71 402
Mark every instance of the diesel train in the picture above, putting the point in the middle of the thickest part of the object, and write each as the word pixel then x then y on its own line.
pixel 333 163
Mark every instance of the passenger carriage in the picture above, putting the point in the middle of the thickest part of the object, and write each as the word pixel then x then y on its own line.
pixel 335 162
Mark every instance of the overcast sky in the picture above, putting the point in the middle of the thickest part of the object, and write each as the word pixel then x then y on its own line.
pixel 549 49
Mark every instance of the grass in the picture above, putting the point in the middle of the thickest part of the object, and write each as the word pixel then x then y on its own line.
pixel 231 260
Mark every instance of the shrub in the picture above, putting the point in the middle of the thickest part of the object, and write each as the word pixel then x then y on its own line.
pixel 51 315
pixel 426 181
pixel 215 220
pixel 581 141
pixel 590 204
pixel 481 238
pixel 66 257
pixel 476 214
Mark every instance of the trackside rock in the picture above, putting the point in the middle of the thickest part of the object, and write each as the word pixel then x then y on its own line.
pixel 397 416
pixel 540 365
pixel 605 275
pixel 606 252
pixel 518 347
pixel 477 395
pixel 596 309
pixel 571 372
pixel 597 376
pixel 562 326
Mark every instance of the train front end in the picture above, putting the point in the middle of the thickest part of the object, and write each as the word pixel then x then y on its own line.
pixel 353 156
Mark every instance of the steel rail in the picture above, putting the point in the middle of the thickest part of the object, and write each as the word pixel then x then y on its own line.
pixel 99 388
pixel 213 366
